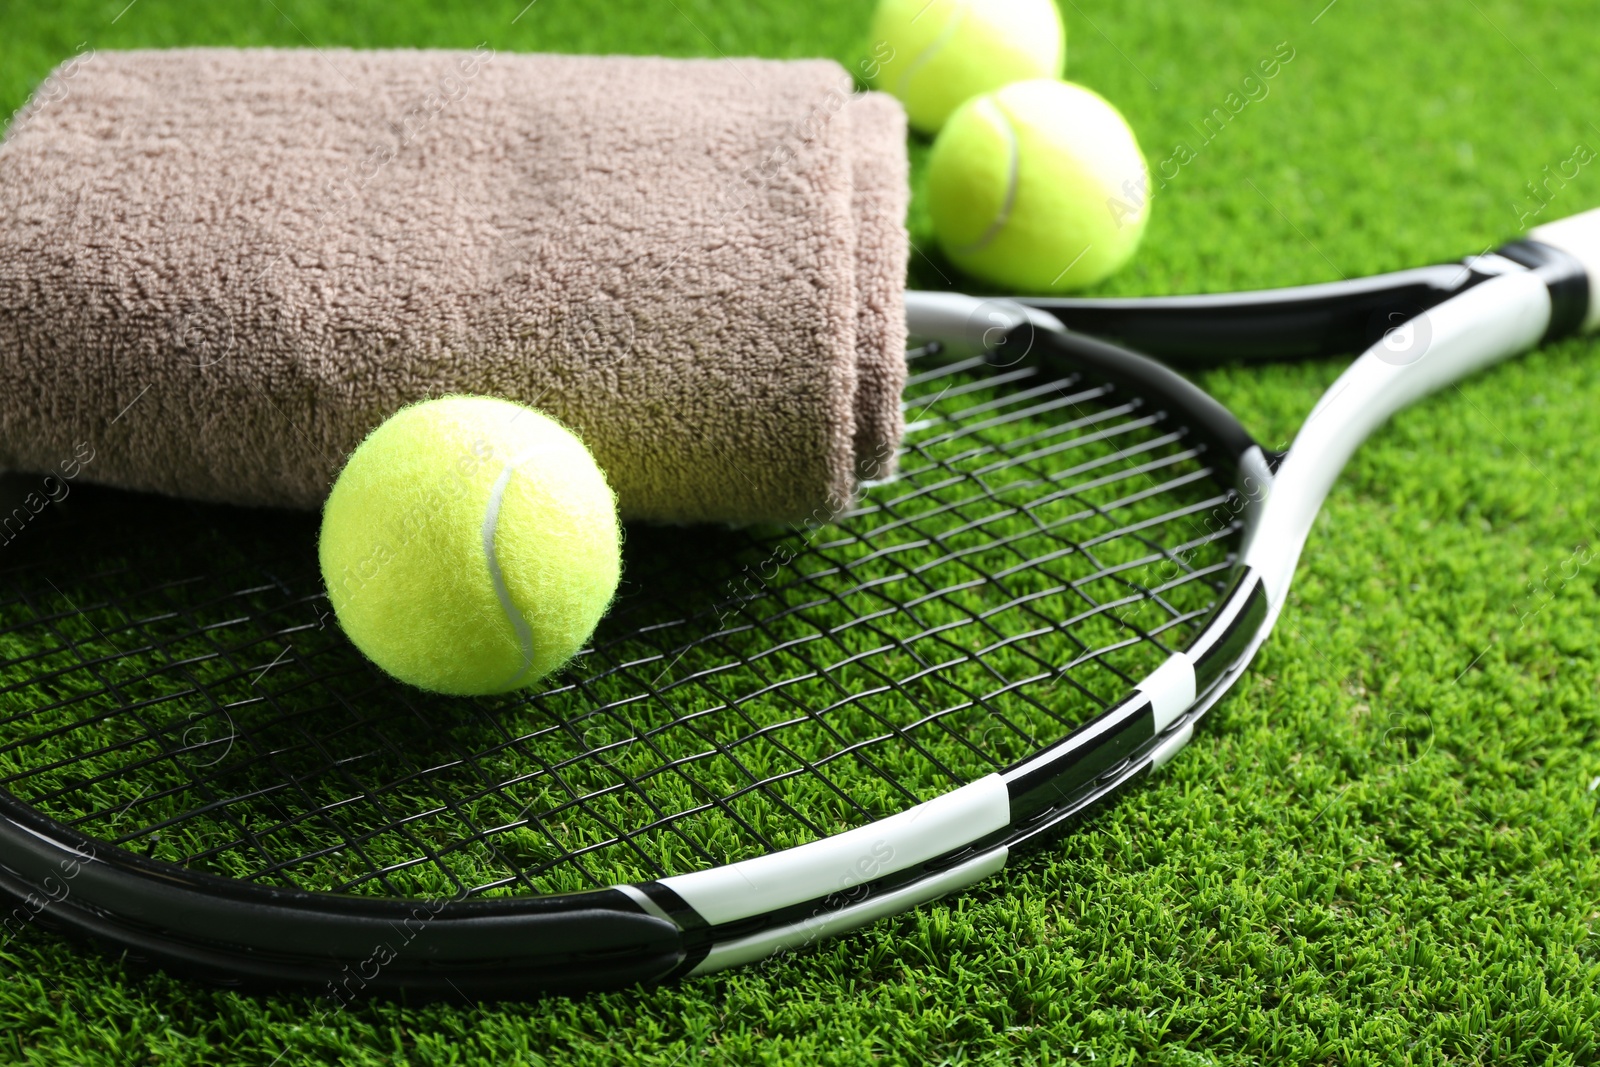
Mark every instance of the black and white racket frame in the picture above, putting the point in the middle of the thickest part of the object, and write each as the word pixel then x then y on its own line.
pixel 1437 325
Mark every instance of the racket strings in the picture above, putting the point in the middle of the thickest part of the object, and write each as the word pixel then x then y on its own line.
pixel 170 680
pixel 1165 460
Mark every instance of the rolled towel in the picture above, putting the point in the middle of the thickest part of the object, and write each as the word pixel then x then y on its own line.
pixel 220 269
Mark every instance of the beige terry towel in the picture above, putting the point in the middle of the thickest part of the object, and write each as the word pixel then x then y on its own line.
pixel 220 269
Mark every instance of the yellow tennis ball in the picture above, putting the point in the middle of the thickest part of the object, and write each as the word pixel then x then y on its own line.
pixel 936 54
pixel 470 545
pixel 1039 187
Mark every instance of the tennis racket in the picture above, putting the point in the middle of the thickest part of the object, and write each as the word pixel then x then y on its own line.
pixel 777 735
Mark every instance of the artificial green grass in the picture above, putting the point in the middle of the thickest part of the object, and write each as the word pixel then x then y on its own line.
pixel 1381 847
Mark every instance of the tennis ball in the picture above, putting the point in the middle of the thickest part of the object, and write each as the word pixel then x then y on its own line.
pixel 935 54
pixel 470 545
pixel 1039 187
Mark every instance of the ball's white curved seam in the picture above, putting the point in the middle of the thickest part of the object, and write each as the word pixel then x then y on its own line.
pixel 491 519
pixel 1004 214
pixel 924 57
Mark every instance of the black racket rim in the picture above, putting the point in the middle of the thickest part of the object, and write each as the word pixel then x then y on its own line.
pixel 246 933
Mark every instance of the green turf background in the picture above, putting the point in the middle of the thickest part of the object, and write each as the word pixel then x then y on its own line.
pixel 1383 846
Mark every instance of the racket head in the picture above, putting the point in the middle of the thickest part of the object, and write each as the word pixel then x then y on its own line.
pixel 778 733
